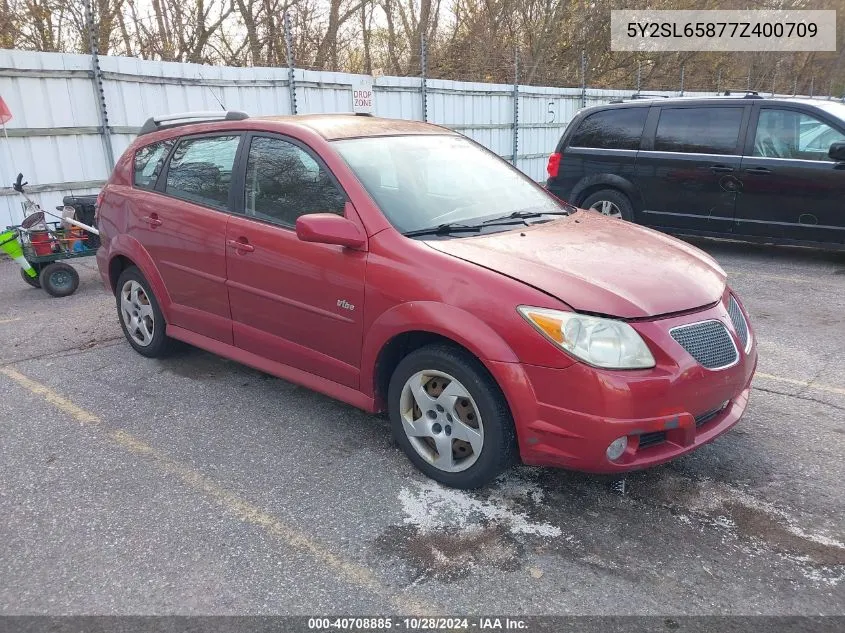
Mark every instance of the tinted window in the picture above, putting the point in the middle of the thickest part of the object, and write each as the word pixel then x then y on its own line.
pixel 698 130
pixel 790 134
pixel 619 128
pixel 148 163
pixel 284 182
pixel 201 170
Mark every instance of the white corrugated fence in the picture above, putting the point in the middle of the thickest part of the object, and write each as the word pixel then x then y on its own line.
pixel 56 139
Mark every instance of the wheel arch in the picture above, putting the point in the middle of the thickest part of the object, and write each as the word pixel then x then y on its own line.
pixel 590 185
pixel 408 327
pixel 126 252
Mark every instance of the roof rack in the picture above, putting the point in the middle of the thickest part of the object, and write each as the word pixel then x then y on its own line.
pixel 746 94
pixel 638 95
pixel 153 124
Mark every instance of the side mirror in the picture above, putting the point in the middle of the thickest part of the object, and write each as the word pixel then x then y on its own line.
pixel 328 228
pixel 837 151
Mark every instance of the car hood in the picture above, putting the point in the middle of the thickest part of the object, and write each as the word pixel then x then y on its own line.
pixel 599 265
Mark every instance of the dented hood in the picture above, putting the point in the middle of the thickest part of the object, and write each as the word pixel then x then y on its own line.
pixel 600 265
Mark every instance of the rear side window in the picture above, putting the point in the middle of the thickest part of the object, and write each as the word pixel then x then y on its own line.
pixel 619 128
pixel 148 163
pixel 698 130
pixel 200 170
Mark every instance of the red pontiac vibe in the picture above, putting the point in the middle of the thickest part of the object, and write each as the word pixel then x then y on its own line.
pixel 398 266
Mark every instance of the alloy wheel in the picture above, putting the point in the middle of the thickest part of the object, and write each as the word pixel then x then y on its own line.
pixel 441 420
pixel 608 208
pixel 137 313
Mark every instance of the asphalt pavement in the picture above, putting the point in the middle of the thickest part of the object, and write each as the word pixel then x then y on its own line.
pixel 195 485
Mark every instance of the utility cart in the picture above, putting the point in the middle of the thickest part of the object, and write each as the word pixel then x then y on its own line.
pixel 42 248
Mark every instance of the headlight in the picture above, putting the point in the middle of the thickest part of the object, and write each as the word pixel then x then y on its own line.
pixel 601 342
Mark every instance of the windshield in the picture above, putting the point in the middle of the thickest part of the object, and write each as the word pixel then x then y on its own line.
pixel 421 182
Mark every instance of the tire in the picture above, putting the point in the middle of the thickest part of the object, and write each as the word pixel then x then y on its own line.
pixel 32 281
pixel 478 401
pixel 59 279
pixel 612 200
pixel 142 322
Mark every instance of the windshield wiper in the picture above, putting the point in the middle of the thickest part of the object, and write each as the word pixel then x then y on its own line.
pixel 445 229
pixel 522 215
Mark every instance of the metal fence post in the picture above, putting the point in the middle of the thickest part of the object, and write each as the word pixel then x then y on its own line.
pixel 830 90
pixel 682 80
pixel 423 74
pixel 748 86
pixel 99 93
pixel 812 86
pixel 289 54
pixel 515 106
pixel 583 77
pixel 718 80
pixel 639 74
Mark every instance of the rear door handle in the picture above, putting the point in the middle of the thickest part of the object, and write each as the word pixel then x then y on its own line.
pixel 758 171
pixel 721 169
pixel 241 245
pixel 152 220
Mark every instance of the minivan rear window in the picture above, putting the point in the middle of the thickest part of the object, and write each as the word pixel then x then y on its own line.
pixel 617 128
pixel 698 130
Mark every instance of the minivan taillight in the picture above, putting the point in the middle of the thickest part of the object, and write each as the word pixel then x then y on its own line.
pixel 554 164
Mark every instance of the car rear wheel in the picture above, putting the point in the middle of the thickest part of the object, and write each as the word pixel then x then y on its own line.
pixel 611 203
pixel 140 315
pixel 450 417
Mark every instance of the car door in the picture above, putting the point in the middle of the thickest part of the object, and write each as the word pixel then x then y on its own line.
pixel 790 187
pixel 687 169
pixel 293 302
pixel 183 228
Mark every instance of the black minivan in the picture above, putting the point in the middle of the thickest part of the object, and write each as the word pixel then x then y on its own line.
pixel 746 167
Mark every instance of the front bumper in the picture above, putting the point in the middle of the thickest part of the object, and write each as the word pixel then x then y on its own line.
pixel 568 417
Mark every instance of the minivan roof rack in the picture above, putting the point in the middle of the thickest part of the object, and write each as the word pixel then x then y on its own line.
pixel 639 95
pixel 747 94
pixel 161 122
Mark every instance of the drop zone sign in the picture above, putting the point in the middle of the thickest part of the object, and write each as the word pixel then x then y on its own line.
pixel 362 95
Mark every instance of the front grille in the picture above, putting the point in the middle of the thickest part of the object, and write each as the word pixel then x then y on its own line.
pixel 708 342
pixel 738 319
pixel 650 439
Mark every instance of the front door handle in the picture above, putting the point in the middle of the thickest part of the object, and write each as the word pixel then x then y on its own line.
pixel 721 169
pixel 241 245
pixel 758 171
pixel 152 220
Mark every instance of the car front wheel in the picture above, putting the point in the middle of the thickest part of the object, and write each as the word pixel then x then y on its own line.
pixel 450 417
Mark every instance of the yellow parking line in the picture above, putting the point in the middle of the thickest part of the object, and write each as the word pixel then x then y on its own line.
pixel 61 403
pixel 242 509
pixel 803 383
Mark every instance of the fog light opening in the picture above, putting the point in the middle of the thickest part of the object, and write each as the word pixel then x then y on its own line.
pixel 616 448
